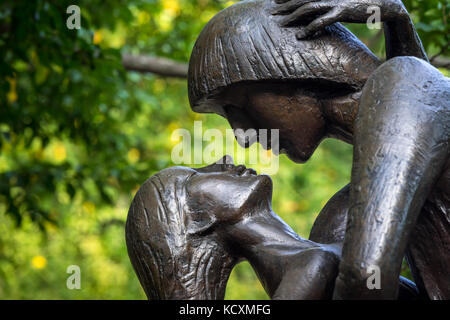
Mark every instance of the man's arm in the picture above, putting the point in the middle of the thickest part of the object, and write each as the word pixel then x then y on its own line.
pixel 401 144
pixel 330 226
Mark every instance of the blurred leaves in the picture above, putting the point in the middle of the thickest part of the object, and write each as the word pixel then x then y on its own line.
pixel 68 87
pixel 79 134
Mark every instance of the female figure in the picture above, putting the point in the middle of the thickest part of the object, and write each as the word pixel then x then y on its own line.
pixel 249 69
pixel 187 228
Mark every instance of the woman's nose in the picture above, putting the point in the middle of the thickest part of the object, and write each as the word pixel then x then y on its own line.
pixel 227 159
pixel 239 170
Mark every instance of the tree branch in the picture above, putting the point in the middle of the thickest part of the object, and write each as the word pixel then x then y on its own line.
pixel 157 65
pixel 441 62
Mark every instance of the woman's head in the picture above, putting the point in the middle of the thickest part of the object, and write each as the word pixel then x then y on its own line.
pixel 224 194
pixel 244 65
pixel 171 224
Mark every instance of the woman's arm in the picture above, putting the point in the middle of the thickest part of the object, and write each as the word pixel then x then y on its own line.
pixel 402 39
pixel 400 35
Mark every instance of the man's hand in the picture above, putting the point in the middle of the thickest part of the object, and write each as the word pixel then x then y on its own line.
pixel 327 12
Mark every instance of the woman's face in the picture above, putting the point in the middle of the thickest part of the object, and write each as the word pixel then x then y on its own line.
pixel 226 193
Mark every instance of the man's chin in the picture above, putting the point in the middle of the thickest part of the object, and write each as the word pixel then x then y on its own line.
pixel 296 157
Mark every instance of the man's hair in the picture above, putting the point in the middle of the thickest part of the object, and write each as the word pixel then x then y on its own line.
pixel 244 42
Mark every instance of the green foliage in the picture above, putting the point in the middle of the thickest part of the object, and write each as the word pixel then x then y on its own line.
pixel 432 20
pixel 79 134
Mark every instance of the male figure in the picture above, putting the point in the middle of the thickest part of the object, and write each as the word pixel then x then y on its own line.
pixel 396 115
pixel 187 228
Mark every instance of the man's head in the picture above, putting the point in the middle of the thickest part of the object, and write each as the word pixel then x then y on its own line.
pixel 247 68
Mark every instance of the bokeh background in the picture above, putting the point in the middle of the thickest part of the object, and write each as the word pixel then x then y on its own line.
pixel 79 132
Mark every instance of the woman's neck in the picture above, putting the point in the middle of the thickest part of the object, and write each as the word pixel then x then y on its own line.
pixel 268 243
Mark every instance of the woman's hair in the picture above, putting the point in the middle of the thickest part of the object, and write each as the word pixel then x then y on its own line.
pixel 244 42
pixel 165 257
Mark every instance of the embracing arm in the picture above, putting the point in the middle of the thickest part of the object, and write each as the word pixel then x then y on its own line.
pixel 401 145
pixel 402 38
pixel 400 33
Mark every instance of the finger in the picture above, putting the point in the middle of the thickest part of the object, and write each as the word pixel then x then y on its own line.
pixel 305 11
pixel 318 24
pixel 290 6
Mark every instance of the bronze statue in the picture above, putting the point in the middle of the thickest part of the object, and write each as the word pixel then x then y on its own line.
pixel 187 228
pixel 171 246
pixel 248 66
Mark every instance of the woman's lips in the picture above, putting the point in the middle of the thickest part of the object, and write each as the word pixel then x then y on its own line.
pixel 242 170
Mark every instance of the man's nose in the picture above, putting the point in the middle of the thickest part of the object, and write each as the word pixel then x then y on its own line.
pixel 246 138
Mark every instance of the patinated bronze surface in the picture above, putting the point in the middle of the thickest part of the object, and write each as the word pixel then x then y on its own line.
pixel 265 64
pixel 187 228
pixel 396 115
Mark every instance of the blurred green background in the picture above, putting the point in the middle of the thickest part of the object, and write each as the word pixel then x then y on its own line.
pixel 79 133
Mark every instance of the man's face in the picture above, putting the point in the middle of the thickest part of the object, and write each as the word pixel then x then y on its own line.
pixel 296 113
